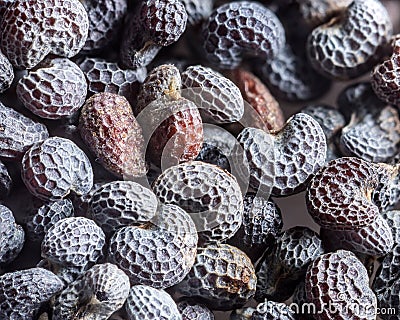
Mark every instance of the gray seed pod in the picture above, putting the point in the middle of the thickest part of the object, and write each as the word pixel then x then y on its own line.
pixel 12 236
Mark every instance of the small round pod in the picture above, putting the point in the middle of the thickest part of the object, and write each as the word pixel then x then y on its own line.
pixel 148 303
pixel 23 292
pixel 210 195
pixel 108 127
pixel 55 89
pixel 6 73
pixel 75 241
pixel 159 253
pixel 105 18
pixel 339 196
pixel 26 42
pixel 191 310
pixel 238 28
pixel 96 294
pixel 53 168
pixel 351 43
pixel 385 78
pixel 375 239
pixel 340 279
pixel 12 236
pixel 218 98
pixel 222 277
pixel 18 133
pixel 121 203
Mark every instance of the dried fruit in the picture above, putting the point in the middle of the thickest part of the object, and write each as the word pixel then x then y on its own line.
pixel 110 130
pixel 55 89
pixel 238 28
pixel 209 194
pixel 12 237
pixel 53 168
pixel 34 29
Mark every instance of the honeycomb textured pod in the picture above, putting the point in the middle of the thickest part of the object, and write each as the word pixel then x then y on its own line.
pixel 164 80
pixel 238 28
pixel 81 203
pixel 385 79
pixel 43 217
pixel 375 239
pixel 289 76
pixel 283 162
pixel 75 241
pixel 12 237
pixel 269 115
pixel 6 72
pixel 352 43
pixel 105 18
pixel 341 279
pixel 218 98
pixel 210 195
pixel 35 28
pixel 194 311
pixel 98 293
pixel 222 277
pixel 198 11
pixel 147 303
pixel 390 301
pixel 23 292
pixel 339 195
pixel 121 203
pixel 158 254
pixel 105 76
pixel 110 130
pixel 19 133
pixel 273 311
pixel 55 89
pixel 374 138
pixel 392 217
pixel 53 168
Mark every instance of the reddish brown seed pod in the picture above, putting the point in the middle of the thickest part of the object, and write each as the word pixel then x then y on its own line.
pixel 110 130
pixel 32 29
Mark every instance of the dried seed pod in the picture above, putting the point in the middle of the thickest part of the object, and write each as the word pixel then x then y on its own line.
pixel 75 241
pixel 209 194
pixel 194 311
pixel 283 162
pixel 147 303
pixel 385 76
pixel 23 292
pixel 6 72
pixel 110 130
pixel 55 89
pixel 53 168
pixel 238 28
pixel 105 18
pixel 159 253
pixel 212 154
pixel 289 76
pixel 339 195
pixel 340 279
pixel 223 278
pixel 375 137
pixel 198 10
pixel 5 181
pixel 390 301
pixel 269 115
pixel 217 97
pixel 375 239
pixel 34 29
pixel 121 203
pixel 96 294
pixel 351 43
pixel 392 217
pixel 12 237
pixel 18 133
pixel 106 76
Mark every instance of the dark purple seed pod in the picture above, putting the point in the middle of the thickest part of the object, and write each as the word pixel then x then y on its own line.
pixel 239 28
pixel 32 29
pixel 55 167
pixel 23 292
pixel 18 133
pixel 351 43
pixel 55 89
